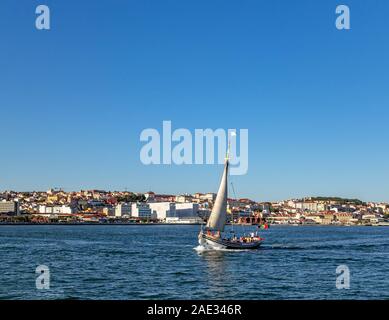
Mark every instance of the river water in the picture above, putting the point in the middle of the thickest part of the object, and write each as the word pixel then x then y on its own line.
pixel 160 262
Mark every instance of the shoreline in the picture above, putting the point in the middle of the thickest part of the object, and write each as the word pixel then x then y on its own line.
pixel 97 224
pixel 174 224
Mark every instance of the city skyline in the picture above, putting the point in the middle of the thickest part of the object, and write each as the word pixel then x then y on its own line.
pixel 99 206
pixel 230 196
pixel 313 98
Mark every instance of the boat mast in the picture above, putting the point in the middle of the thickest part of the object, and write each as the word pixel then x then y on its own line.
pixel 218 217
pixel 232 215
pixel 227 159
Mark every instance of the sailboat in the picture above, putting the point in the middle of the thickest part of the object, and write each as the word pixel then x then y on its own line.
pixel 212 235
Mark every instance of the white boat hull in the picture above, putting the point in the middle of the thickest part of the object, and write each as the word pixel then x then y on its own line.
pixel 225 244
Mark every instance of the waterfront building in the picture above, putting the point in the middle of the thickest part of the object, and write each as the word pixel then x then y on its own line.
pixel 162 210
pixel 142 210
pixel 123 209
pixel 318 218
pixel 372 218
pixel 328 217
pixel 188 220
pixel 165 210
pixel 10 207
pixel 186 210
pixel 344 217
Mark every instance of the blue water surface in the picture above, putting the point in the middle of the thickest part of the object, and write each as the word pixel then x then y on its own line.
pixel 160 262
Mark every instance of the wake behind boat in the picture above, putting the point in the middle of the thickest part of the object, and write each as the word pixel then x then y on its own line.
pixel 212 235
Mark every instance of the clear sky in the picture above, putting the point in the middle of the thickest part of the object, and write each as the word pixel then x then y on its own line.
pixel 74 99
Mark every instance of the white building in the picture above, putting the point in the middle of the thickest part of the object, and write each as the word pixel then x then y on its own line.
pixel 55 209
pixel 123 209
pixel 310 206
pixel 185 213
pixel 9 207
pixel 162 210
pixel 165 210
pixel 141 210
pixel 185 210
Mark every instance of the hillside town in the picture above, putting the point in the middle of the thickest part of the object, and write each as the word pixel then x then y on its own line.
pixel 124 207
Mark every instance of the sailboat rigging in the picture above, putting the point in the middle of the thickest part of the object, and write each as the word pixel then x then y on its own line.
pixel 212 235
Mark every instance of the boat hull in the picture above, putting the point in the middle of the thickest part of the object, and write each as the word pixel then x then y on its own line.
pixel 226 244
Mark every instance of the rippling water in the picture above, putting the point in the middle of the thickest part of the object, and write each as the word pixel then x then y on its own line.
pixel 159 262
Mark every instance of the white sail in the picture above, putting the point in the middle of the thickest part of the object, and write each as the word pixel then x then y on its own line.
pixel 218 217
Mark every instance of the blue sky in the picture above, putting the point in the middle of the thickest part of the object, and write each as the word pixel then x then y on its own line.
pixel 315 99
